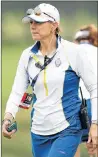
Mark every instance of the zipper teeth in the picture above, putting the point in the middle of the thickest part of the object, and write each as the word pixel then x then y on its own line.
pixel 45 84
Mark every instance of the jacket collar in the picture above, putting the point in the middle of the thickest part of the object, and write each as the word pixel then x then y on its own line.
pixel 36 46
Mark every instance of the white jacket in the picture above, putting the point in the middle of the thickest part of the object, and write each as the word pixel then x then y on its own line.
pixel 92 56
pixel 56 88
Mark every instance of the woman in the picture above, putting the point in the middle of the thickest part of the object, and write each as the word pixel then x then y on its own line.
pixel 52 66
pixel 87 36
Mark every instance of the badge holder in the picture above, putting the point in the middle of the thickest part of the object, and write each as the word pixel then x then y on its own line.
pixel 26 101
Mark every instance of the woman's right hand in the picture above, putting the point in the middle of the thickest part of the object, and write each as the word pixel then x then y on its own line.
pixel 5 125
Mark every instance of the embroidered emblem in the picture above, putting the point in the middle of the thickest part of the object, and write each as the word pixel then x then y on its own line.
pixel 58 62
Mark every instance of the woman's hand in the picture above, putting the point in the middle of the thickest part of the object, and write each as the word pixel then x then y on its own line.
pixel 91 150
pixel 92 143
pixel 5 125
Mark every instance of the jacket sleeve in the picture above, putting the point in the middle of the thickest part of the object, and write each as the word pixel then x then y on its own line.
pixel 86 72
pixel 77 57
pixel 20 85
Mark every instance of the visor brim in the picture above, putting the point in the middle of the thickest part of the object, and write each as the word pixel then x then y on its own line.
pixel 28 19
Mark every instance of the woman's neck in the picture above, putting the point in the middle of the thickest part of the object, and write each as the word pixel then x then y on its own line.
pixel 48 45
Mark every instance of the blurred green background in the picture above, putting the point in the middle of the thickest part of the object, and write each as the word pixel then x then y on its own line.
pixel 15 38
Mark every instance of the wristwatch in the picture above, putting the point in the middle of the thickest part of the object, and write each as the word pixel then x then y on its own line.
pixel 6 120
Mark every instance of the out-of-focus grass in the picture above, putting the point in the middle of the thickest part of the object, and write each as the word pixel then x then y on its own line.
pixel 19 145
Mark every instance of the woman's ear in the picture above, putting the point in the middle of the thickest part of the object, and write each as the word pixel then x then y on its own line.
pixel 54 26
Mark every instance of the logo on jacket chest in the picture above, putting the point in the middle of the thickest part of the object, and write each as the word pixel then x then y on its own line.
pixel 57 62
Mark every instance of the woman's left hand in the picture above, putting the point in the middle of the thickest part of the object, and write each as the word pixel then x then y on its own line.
pixel 91 150
pixel 93 136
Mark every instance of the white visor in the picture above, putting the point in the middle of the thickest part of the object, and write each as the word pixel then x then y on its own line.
pixel 82 34
pixel 38 18
pixel 42 13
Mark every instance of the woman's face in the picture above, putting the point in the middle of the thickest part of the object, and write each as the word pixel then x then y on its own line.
pixel 41 31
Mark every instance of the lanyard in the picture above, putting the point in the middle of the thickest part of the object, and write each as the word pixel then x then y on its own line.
pixel 47 61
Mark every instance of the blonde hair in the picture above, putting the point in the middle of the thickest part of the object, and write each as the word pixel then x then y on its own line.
pixel 93 34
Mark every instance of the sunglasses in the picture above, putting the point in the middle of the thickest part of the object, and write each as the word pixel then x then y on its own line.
pixel 37 11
